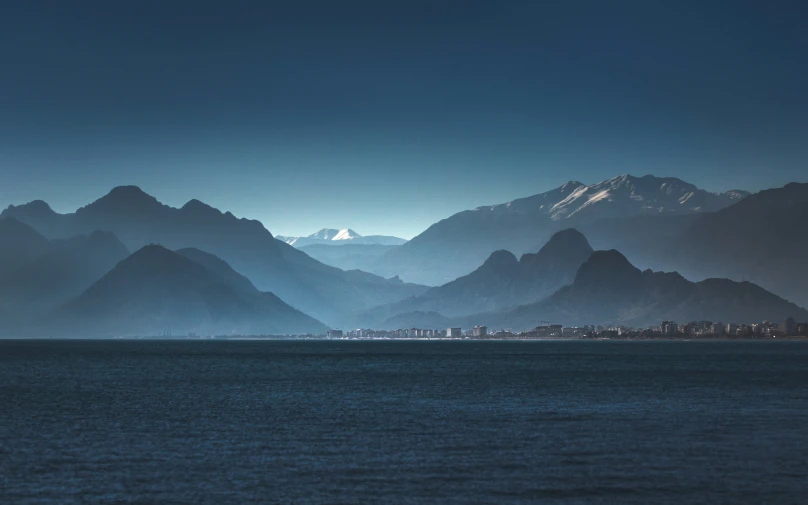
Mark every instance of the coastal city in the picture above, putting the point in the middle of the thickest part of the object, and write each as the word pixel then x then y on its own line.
pixel 666 330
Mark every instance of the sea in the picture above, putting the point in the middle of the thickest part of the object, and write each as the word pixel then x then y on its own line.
pixel 310 422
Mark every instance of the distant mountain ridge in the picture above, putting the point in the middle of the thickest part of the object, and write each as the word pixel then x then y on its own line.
pixel 331 236
pixel 456 245
pixel 138 219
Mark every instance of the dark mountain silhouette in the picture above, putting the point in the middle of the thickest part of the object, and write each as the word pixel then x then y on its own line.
pixel 610 290
pixel 63 271
pixel 19 244
pixel 458 244
pixel 502 281
pixel 155 290
pixel 762 239
pixel 139 219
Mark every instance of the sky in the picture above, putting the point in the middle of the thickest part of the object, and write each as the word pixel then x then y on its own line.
pixel 386 117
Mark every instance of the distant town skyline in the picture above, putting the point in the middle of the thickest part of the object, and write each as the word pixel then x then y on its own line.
pixel 386 117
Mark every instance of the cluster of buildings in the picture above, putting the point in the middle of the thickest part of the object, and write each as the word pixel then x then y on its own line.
pixel 476 332
pixel 705 329
pixel 667 329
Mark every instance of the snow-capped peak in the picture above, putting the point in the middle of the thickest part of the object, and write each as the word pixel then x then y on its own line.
pixel 345 234
pixel 334 234
pixel 624 195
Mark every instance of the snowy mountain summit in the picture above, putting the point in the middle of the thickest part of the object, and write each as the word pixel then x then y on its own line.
pixel 332 236
pixel 620 196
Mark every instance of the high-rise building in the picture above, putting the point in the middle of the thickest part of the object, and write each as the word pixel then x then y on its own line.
pixel 669 328
pixel 454 332
pixel 479 331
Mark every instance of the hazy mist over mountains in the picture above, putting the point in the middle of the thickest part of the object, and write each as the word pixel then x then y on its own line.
pixel 126 264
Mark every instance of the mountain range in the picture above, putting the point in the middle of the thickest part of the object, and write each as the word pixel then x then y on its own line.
pixel 138 219
pixel 701 255
pixel 331 236
pixel 356 252
pixel 458 244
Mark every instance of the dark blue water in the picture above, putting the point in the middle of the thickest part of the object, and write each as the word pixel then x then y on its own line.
pixel 403 422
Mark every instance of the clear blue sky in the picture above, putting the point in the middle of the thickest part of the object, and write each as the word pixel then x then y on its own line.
pixel 387 116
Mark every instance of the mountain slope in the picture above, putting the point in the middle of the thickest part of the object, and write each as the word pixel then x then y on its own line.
pixel 218 266
pixel 155 290
pixel 762 239
pixel 609 290
pixel 63 271
pixel 502 281
pixel 19 244
pixel 456 245
pixel 138 219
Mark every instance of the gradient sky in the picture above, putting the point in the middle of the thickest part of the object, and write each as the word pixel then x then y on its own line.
pixel 385 116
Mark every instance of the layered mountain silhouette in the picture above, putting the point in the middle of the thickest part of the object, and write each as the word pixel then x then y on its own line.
pixel 157 290
pixel 138 219
pixel 332 236
pixel 502 281
pixel 76 265
pixel 609 290
pixel 64 269
pixel 456 245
